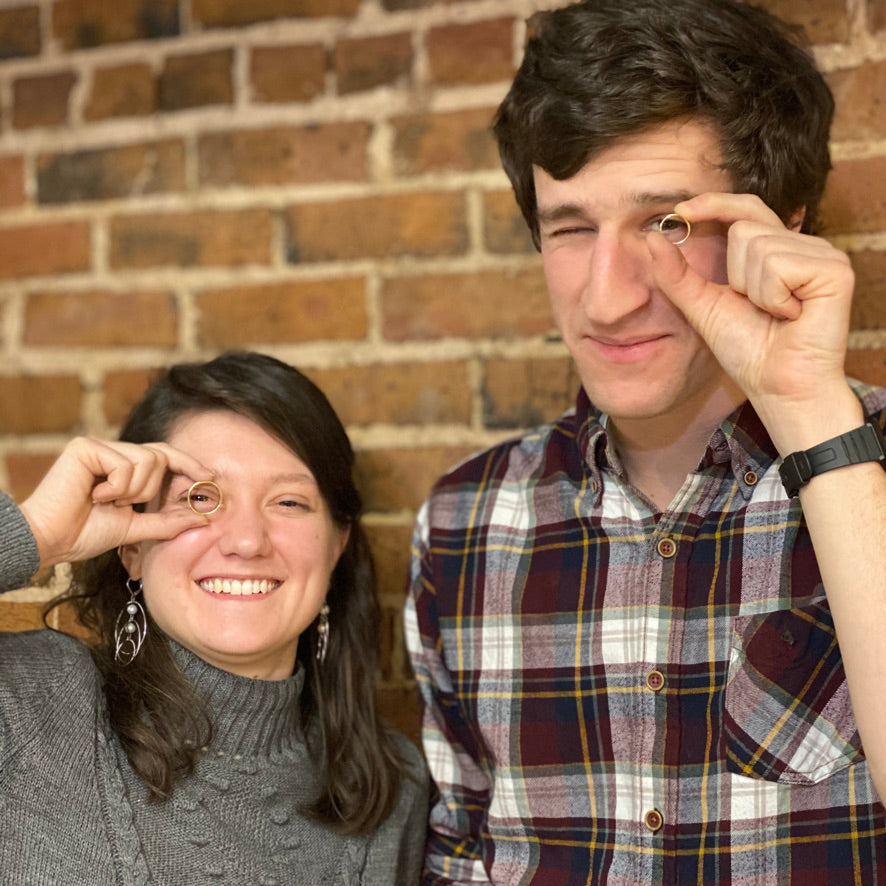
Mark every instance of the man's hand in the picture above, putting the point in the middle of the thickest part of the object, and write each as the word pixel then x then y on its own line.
pixel 780 325
pixel 83 506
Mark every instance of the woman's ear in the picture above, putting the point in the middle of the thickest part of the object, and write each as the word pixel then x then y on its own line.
pixel 795 222
pixel 131 558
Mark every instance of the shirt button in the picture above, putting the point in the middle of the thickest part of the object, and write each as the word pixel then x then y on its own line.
pixel 655 680
pixel 750 478
pixel 653 820
pixel 667 547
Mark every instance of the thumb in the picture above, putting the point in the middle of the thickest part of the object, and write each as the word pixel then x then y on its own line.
pixel 163 525
pixel 685 288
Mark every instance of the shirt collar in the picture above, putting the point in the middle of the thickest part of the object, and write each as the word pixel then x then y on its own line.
pixel 740 440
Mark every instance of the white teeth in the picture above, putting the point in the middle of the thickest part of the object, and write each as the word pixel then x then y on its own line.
pixel 246 587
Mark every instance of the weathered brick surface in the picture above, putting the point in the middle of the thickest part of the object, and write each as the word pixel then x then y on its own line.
pixel 877 15
pixel 122 91
pixel 860 94
pixel 122 390
pixel 295 73
pixel 191 239
pixel 20 616
pixel 236 13
pixel 496 304
pixel 869 300
pixel 390 550
pixel 366 62
pixel 79 24
pixel 41 100
pixel 51 248
pixel 436 142
pixel 299 311
pixel 474 53
pixel 527 393
pixel 869 366
pixel 25 471
pixel 192 81
pixel 19 32
pixel 399 394
pixel 422 224
pixel 504 229
pixel 39 404
pixel 855 198
pixel 285 155
pixel 110 173
pixel 101 319
pixel 12 181
pixel 393 479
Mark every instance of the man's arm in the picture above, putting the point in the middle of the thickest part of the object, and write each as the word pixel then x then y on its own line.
pixel 780 329
pixel 461 796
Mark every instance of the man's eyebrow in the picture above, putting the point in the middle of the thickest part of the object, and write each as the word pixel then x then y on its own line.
pixel 649 198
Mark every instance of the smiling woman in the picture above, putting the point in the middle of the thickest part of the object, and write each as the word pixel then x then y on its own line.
pixel 222 725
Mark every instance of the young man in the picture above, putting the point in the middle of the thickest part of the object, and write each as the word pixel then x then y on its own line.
pixel 624 624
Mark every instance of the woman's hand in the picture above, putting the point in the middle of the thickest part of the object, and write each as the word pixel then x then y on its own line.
pixel 83 506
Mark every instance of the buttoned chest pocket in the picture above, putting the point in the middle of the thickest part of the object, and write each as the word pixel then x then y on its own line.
pixel 787 713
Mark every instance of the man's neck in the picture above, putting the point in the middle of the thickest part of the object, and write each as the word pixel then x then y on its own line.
pixel 657 453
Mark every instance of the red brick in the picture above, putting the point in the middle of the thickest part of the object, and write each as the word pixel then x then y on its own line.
pixel 390 551
pixel 288 73
pixel 504 229
pixel 12 181
pixel 19 32
pixel 494 304
pixel 855 197
pixel 39 404
pixel 20 616
pixel 52 248
pixel 524 393
pixel 363 63
pixel 299 311
pixel 193 81
pixel 394 479
pixel 869 366
pixel 26 470
pixel 877 15
pixel 869 301
pixel 83 23
pixel 475 53
pixel 41 100
pixel 111 173
pixel 825 21
pixel 399 394
pixel 861 107
pixel 422 224
pixel 122 91
pixel 236 13
pixel 101 319
pixel 285 155
pixel 122 390
pixel 461 140
pixel 191 239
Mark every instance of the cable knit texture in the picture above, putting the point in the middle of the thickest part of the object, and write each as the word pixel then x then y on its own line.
pixel 73 811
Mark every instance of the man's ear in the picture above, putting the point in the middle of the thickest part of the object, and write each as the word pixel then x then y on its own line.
pixel 131 558
pixel 795 222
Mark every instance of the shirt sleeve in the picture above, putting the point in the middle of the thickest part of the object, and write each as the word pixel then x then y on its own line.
pixel 19 559
pixel 458 765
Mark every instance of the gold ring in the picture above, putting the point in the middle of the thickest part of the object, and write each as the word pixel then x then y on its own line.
pixel 213 497
pixel 684 221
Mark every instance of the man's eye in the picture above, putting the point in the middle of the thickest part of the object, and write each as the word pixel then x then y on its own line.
pixel 674 227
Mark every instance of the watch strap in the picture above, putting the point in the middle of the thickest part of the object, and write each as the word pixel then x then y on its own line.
pixel 854 447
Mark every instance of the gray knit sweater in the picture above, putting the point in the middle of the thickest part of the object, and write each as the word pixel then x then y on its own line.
pixel 73 812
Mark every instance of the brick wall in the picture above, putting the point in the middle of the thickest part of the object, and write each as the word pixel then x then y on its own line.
pixel 315 179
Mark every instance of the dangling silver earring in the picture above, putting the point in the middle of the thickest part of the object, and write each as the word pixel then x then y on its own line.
pixel 322 633
pixel 132 626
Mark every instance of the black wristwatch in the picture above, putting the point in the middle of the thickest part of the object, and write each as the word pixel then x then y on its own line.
pixel 863 444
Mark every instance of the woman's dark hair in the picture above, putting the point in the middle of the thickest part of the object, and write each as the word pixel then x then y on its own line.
pixel 151 705
pixel 602 70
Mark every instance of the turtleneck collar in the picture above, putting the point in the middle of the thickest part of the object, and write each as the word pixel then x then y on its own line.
pixel 249 717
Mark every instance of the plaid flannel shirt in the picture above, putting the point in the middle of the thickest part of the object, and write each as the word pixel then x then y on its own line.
pixel 624 696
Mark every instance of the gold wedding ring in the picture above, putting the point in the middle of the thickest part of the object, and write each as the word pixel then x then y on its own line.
pixel 204 497
pixel 675 227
